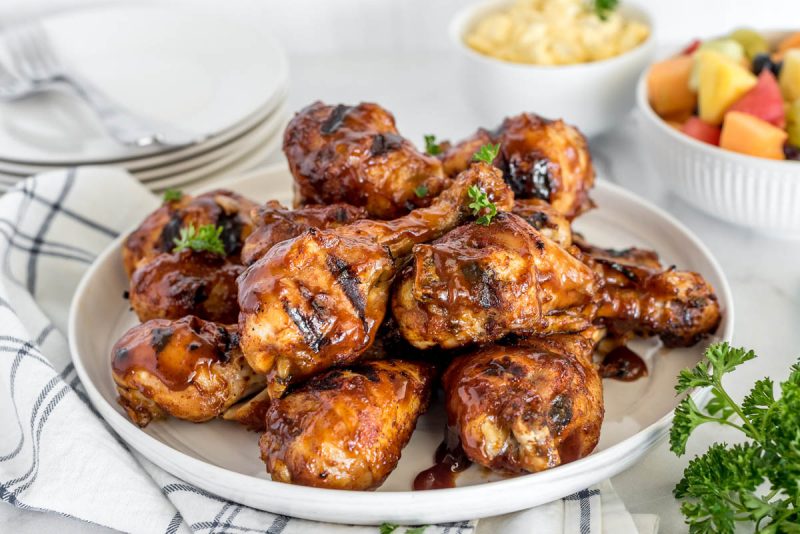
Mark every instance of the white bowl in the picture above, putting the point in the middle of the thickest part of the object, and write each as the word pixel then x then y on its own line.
pixel 592 96
pixel 757 193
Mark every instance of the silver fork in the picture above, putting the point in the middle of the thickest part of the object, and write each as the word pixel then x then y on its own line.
pixel 40 69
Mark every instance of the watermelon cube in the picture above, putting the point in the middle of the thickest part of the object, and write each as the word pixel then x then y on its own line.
pixel 764 100
pixel 702 131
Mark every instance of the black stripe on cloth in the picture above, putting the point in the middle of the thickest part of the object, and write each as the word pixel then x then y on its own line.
pixel 94 225
pixel 29 238
pixel 23 351
pixel 584 501
pixel 174 523
pixel 33 472
pixel 205 525
pixel 52 253
pixel 35 411
pixel 228 522
pixel 463 525
pixel 278 524
pixel 177 486
pixel 55 208
pixel 216 521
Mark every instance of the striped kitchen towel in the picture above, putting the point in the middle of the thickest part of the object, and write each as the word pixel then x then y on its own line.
pixel 58 457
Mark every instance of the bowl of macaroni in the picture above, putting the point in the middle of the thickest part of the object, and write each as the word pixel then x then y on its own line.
pixel 559 58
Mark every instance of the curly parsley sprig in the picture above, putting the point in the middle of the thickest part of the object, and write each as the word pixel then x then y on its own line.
pixel 173 195
pixel 431 146
pixel 205 238
pixel 487 153
pixel 480 200
pixel 724 486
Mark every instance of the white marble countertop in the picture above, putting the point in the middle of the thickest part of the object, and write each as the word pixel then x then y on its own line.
pixel 422 91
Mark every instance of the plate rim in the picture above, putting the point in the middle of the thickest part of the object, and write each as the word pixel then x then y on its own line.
pixel 328 506
pixel 267 105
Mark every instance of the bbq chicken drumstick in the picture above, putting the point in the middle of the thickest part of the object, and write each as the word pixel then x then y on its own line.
pixel 274 223
pixel 526 408
pixel 354 154
pixel 478 283
pixel 190 369
pixel 345 429
pixel 316 301
pixel 540 158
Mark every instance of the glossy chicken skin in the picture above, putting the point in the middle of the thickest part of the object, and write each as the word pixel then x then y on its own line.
pixel 190 369
pixel 345 429
pixel 526 408
pixel 173 285
pixel 542 216
pixel 354 154
pixel 316 301
pixel 540 158
pixel 275 223
pixel 639 296
pixel 479 283
pixel 158 231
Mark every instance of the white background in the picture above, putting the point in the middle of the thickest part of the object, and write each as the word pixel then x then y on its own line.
pixel 397 53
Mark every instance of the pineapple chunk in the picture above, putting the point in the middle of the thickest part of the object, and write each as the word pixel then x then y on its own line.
pixel 750 135
pixel 722 82
pixel 790 75
pixel 727 47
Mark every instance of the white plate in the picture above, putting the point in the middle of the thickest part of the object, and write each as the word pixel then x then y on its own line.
pixel 216 144
pixel 202 73
pixel 258 135
pixel 231 166
pixel 223 458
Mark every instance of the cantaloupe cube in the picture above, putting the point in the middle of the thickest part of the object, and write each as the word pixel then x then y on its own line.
pixel 789 78
pixel 722 82
pixel 668 86
pixel 746 134
pixel 792 41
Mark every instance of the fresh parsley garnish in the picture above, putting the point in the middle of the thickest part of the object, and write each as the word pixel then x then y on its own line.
pixel 389 528
pixel 603 8
pixel 206 238
pixel 173 195
pixel 431 146
pixel 480 200
pixel 421 191
pixel 487 153
pixel 726 485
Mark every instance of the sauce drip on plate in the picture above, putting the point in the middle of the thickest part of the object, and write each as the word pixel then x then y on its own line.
pixel 623 364
pixel 450 460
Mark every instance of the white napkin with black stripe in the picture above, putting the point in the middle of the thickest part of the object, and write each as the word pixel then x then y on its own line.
pixel 58 456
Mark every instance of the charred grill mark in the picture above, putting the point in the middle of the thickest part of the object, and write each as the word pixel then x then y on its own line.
pixel 383 143
pixel 349 283
pixel 231 235
pixel 230 343
pixel 333 122
pixel 309 330
pixel 170 233
pixel 367 371
pixel 560 413
pixel 625 271
pixel 529 179
pixel 160 338
pixel 538 220
pixel 328 381
pixel 484 282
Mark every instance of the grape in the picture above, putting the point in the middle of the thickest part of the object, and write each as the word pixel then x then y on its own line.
pixel 752 42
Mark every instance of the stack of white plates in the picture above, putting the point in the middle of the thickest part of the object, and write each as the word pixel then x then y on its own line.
pixel 206 75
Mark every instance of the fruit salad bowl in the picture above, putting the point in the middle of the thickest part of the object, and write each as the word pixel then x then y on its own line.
pixel 744 183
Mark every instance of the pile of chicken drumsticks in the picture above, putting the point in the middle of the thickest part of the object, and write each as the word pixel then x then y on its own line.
pixel 328 326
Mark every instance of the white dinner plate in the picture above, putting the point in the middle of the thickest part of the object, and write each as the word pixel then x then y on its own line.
pixel 204 74
pixel 223 458
pixel 155 163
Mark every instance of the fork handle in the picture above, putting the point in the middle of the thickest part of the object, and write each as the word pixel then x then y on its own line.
pixel 123 125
